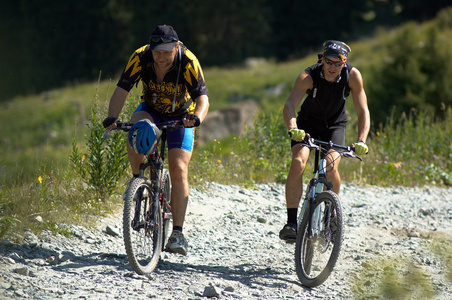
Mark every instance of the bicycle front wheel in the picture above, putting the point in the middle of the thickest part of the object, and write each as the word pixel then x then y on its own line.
pixel 167 216
pixel 142 226
pixel 317 250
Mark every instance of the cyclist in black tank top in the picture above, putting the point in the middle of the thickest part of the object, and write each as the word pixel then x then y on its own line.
pixel 322 115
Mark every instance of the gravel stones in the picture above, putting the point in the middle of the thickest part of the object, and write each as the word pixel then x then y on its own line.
pixel 234 249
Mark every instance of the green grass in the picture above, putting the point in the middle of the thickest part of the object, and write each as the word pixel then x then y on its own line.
pixel 403 277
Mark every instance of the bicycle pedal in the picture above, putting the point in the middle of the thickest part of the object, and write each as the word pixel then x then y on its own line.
pixel 290 241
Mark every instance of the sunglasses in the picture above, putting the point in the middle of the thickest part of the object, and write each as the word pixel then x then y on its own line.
pixel 163 39
pixel 335 63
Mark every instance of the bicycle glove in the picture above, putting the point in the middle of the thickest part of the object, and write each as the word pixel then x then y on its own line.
pixel 361 148
pixel 191 117
pixel 108 121
pixel 297 134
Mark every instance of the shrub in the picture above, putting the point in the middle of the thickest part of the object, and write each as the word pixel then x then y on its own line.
pixel 104 162
pixel 413 75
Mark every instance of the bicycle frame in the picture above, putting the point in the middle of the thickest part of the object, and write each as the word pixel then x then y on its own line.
pixel 320 227
pixel 147 205
pixel 316 186
pixel 318 183
pixel 155 163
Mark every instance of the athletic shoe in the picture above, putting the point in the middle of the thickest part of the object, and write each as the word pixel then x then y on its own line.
pixel 289 233
pixel 177 243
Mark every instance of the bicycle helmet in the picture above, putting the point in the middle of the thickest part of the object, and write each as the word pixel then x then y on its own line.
pixel 143 137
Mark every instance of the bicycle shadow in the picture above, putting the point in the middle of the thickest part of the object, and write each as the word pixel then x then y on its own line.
pixel 29 255
pixel 248 274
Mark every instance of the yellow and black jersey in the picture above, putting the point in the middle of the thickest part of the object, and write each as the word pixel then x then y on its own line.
pixel 160 97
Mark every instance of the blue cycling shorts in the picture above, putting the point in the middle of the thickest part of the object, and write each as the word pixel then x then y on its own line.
pixel 182 138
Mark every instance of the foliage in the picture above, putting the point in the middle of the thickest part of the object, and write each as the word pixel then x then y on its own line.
pixel 445 18
pixel 392 278
pixel 402 277
pixel 220 33
pixel 105 161
pixel 412 72
pixel 411 149
pixel 261 155
pixel 442 248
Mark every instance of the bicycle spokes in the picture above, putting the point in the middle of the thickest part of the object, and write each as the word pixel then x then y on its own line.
pixel 141 202
pixel 319 240
pixel 142 224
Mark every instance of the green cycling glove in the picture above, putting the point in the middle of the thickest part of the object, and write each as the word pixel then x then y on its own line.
pixel 296 134
pixel 361 148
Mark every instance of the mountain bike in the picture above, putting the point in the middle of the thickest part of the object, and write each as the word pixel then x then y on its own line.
pixel 320 228
pixel 147 207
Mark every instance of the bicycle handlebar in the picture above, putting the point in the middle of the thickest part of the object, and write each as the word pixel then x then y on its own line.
pixel 312 143
pixel 169 125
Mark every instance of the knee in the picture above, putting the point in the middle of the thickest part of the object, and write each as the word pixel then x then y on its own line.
pixel 298 163
pixel 178 172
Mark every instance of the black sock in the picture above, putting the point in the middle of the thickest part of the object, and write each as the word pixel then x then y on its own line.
pixel 136 175
pixel 179 228
pixel 292 215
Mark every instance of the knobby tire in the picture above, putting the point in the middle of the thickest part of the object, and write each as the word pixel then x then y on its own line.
pixel 142 228
pixel 167 217
pixel 316 257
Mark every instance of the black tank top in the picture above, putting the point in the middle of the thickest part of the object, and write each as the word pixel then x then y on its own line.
pixel 325 104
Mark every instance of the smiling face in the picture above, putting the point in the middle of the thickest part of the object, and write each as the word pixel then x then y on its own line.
pixel 332 68
pixel 164 59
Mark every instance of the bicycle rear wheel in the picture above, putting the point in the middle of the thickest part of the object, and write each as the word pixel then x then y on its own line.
pixel 167 216
pixel 142 226
pixel 316 253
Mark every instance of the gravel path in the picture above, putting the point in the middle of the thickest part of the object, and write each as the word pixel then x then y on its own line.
pixel 235 252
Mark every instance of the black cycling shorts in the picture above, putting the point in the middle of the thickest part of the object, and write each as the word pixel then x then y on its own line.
pixel 335 133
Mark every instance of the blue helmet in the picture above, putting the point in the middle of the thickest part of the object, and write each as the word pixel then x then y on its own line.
pixel 143 137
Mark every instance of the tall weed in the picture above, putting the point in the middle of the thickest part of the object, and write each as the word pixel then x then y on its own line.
pixel 104 162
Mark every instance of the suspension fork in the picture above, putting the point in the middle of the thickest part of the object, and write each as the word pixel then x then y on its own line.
pixel 316 185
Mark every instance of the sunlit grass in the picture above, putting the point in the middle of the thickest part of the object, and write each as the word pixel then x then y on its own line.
pixel 402 276
pixel 392 278
pixel 47 200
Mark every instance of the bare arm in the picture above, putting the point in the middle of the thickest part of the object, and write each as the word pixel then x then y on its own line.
pixel 303 83
pixel 360 102
pixel 117 101
pixel 202 107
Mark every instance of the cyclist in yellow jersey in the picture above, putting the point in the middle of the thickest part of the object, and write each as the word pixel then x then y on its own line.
pixel 173 87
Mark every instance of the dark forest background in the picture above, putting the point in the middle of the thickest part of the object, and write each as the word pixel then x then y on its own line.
pixel 46 44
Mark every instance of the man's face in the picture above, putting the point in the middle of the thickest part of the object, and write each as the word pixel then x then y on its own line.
pixel 164 59
pixel 332 67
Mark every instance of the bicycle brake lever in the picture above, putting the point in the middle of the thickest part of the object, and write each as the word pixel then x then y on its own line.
pixel 350 154
pixel 310 143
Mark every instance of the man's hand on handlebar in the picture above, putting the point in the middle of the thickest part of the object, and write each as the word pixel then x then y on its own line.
pixel 191 120
pixel 361 148
pixel 110 122
pixel 297 134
